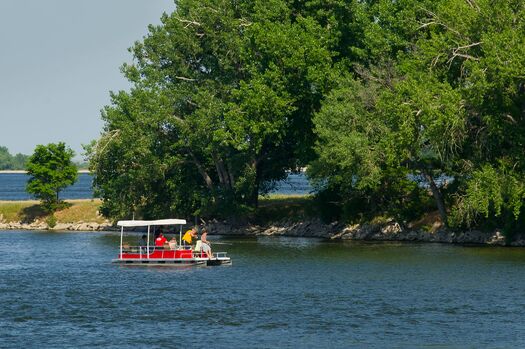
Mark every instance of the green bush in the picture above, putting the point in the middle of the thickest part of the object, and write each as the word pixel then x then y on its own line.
pixel 51 221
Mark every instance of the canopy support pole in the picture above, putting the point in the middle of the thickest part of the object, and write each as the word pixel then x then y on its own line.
pixel 147 248
pixel 180 234
pixel 121 236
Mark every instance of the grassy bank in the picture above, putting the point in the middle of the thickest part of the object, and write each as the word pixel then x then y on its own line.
pixel 271 208
pixel 29 211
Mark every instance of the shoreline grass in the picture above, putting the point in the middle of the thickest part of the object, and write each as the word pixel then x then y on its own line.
pixel 28 211
pixel 271 208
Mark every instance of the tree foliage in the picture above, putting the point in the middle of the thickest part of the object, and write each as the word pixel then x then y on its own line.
pixel 221 106
pixel 392 105
pixel 450 104
pixel 50 169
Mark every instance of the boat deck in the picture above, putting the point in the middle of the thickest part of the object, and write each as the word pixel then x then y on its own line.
pixel 138 255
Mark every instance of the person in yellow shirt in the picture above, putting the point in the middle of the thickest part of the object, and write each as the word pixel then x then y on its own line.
pixel 190 235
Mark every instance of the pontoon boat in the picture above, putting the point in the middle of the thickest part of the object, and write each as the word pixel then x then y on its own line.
pixel 181 255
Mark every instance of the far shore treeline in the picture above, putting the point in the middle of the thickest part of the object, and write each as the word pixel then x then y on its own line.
pixel 396 108
pixel 12 162
pixel 18 162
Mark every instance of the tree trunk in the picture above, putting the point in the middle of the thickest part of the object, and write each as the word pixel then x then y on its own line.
pixel 437 197
pixel 254 200
pixel 219 173
pixel 224 177
pixel 202 171
pixel 254 195
pixel 230 174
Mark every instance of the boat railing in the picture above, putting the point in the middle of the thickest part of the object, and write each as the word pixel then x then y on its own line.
pixel 136 249
pixel 143 252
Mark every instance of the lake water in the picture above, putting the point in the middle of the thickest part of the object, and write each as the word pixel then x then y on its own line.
pixel 12 186
pixel 59 290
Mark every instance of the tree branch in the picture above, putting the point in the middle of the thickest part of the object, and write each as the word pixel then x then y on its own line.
pixel 202 171
pixel 244 23
pixel 188 22
pixel 184 78
pixel 435 21
pixel 473 4
pixel 467 46
pixel 456 53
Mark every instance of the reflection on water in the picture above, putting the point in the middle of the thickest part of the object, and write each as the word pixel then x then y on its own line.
pixel 285 242
pixel 60 290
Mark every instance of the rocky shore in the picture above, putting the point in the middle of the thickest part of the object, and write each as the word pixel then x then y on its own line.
pixel 41 225
pixel 389 231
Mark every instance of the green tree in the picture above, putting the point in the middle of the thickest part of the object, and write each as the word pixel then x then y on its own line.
pixel 227 96
pixel 221 105
pixel 439 94
pixel 50 169
pixel 385 122
pixel 477 49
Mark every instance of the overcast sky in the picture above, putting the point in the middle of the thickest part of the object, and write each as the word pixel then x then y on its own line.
pixel 58 61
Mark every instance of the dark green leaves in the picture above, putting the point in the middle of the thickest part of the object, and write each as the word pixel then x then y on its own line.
pixel 371 95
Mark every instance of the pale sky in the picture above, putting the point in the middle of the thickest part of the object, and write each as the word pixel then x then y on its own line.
pixel 58 61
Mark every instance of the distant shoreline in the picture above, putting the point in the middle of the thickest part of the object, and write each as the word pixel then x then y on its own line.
pixel 24 171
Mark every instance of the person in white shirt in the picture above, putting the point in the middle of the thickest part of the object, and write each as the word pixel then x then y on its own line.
pixel 205 244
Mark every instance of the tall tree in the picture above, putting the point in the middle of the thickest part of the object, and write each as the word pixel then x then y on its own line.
pixel 479 49
pixel 447 99
pixel 222 102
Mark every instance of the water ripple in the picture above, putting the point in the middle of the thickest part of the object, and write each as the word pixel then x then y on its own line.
pixel 59 290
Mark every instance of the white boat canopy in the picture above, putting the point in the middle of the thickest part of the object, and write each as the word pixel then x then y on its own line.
pixel 151 223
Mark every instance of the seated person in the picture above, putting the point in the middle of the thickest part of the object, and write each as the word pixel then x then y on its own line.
pixel 160 240
pixel 205 244
pixel 143 241
pixel 189 236
pixel 173 243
